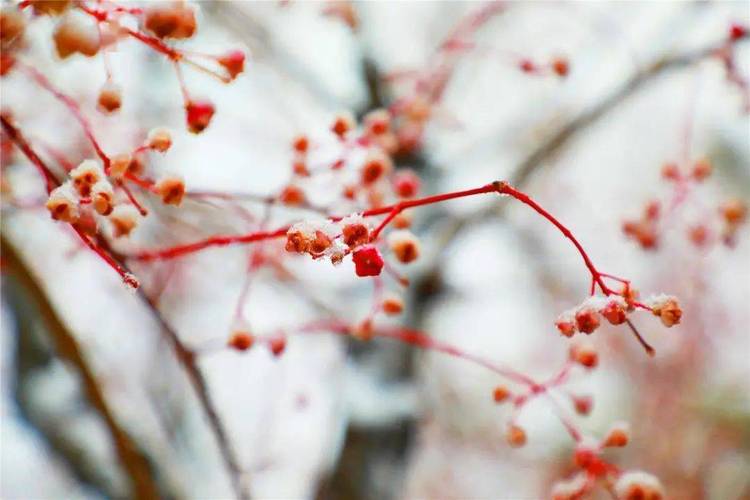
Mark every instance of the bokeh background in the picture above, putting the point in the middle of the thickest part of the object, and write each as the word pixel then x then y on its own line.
pixel 334 418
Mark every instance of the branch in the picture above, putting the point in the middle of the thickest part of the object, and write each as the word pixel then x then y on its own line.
pixel 133 460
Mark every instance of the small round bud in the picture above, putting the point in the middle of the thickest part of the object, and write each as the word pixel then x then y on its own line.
pixel 292 196
pixel 392 305
pixel 159 139
pixel 737 31
pixel 241 340
pixel 404 245
pixel 63 204
pixel 587 320
pixel 585 355
pixel 617 436
pixel 667 309
pixel 120 164
pixel 50 7
pixel 406 184
pixel 583 404
pixel 277 345
pixel 233 61
pixel 74 35
pixel 198 115
pixel 515 436
pixel 110 98
pixel 566 326
pixel 561 66
pixel 377 122
pixel 85 175
pixel 376 166
pixel 614 312
pixel 701 170
pixel 637 485
pixel 342 124
pixel 368 261
pixel 500 394
pixel 670 171
pixel 301 144
pixel 170 20
pixel 102 197
pixel 12 25
pixel 124 218
pixel 355 231
pixel 171 190
pixel 733 211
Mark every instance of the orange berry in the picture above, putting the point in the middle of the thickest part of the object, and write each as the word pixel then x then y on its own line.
pixel 170 20
pixel 392 305
pixel 241 341
pixel 585 355
pixel 74 35
pixel 404 245
pixel 500 394
pixel 171 190
pixel 515 436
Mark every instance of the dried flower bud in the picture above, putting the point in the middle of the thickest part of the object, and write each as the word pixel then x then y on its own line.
pixel 170 20
pixel 585 355
pixel 171 190
pixel 241 340
pixel 376 166
pixel 159 139
pixel 124 219
pixel 103 197
pixel 587 320
pixel 617 436
pixel 515 436
pixel 614 311
pixel 670 171
pixel 355 231
pixel 377 122
pixel 500 394
pixel 233 61
pixel 406 184
pixel 292 196
pixel 110 98
pixel 85 175
pixel 583 404
pixel 561 66
pixel 342 124
pixel 368 261
pixel 566 325
pixel 50 7
pixel 637 485
pixel 63 204
pixel 74 35
pixel 12 25
pixel 392 305
pixel 301 144
pixel 701 170
pixel 734 211
pixel 198 115
pixel 277 345
pixel 120 164
pixel 667 309
pixel 404 245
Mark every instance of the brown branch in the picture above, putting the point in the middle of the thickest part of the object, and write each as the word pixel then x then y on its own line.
pixel 133 460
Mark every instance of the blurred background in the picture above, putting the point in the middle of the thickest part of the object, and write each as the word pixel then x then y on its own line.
pixel 335 418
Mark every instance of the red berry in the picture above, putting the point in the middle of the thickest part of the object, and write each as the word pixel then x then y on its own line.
pixel 406 184
pixel 368 261
pixel 737 31
pixel 234 62
pixel 198 115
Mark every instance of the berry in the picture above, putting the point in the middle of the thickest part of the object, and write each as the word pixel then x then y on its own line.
pixel 566 327
pixel 376 166
pixel 301 144
pixel 102 197
pixel 159 139
pixel 234 62
pixel 292 196
pixel 355 231
pixel 124 218
pixel 120 164
pixel 667 309
pixel 392 305
pixel 171 190
pixel 733 211
pixel 198 115
pixel 377 122
pixel 737 31
pixel 241 341
pixel 583 404
pixel 614 312
pixel 618 436
pixel 368 261
pixel 12 25
pixel 277 345
pixel 560 66
pixel 515 436
pixel 170 20
pixel 406 184
pixel 63 204
pixel 500 394
pixel 110 98
pixel 701 170
pixel 342 124
pixel 585 355
pixel 637 485
pixel 85 175
pixel 404 245
pixel 587 320
pixel 73 35
pixel 50 7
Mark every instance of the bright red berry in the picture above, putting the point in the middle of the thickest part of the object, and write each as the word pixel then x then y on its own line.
pixel 368 261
